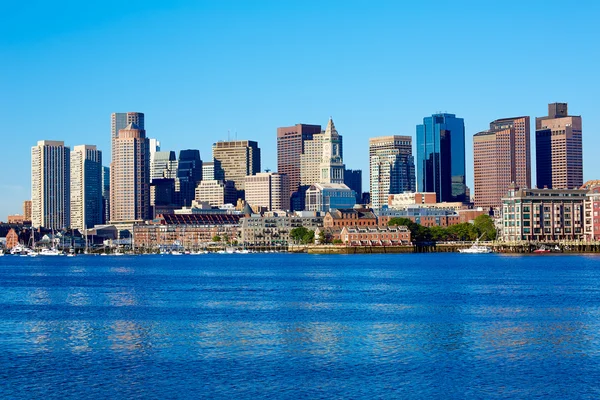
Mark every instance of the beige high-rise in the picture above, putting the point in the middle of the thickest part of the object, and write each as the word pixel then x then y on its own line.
pixel 269 190
pixel 130 176
pixel 238 159
pixel 501 156
pixel 391 166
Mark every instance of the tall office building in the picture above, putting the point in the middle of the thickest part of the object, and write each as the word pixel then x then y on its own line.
pixel 119 121
pixel 559 152
pixel 353 179
pixel 50 188
pixel 105 195
pixel 27 210
pixel 290 146
pixel 189 174
pixel 86 187
pixel 392 167
pixel 163 165
pixel 501 157
pixel 441 157
pixel 212 170
pixel 130 176
pixel 269 190
pixel 216 193
pixel 238 159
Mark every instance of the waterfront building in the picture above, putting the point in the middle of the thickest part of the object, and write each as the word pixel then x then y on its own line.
pixel 353 179
pixel 120 121
pixel 441 157
pixel 274 230
pixel 375 236
pixel 559 151
pixel 427 217
pixel 290 147
pixel 322 197
pixel 391 166
pixel 403 200
pixel 212 170
pixel 543 214
pixel 163 165
pixel 163 199
pixel 130 176
pixel 501 157
pixel 338 218
pixel 12 239
pixel 189 174
pixel 17 219
pixel 27 210
pixel 187 231
pixel 216 192
pixel 592 210
pixel 86 187
pixel 268 190
pixel 50 187
pixel 238 159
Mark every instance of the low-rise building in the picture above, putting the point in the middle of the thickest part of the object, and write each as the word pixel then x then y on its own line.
pixel 375 236
pixel 423 216
pixel 322 197
pixel 543 214
pixel 339 218
pixel 274 230
pixel 190 231
pixel 592 210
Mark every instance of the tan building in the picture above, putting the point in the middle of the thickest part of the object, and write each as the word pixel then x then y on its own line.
pixel 216 193
pixel 16 219
pixel 12 239
pixel 402 200
pixel 391 167
pixel 27 210
pixel 559 151
pixel 120 121
pixel 501 157
pixel 238 159
pixel 310 160
pixel 268 190
pixel 50 188
pixel 130 176
pixel 290 147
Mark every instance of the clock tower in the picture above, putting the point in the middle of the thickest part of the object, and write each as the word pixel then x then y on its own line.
pixel 332 166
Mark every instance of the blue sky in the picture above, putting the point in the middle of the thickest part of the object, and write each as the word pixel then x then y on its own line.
pixel 199 69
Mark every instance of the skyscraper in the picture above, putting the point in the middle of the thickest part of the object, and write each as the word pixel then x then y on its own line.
pixel 290 146
pixel 441 157
pixel 353 179
pixel 119 121
pixel 270 190
pixel 238 159
pixel 50 188
pixel 189 174
pixel 501 157
pixel 105 194
pixel 392 167
pixel 163 165
pixel 86 187
pixel 130 176
pixel 212 170
pixel 559 152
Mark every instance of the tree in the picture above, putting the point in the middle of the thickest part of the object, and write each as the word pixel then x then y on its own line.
pixel 485 225
pixel 216 238
pixel 302 235
pixel 418 233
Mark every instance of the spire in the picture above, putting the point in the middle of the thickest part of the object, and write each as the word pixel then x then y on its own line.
pixel 131 126
pixel 330 128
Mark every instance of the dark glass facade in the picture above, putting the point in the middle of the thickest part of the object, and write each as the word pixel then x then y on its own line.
pixel 441 157
pixel 189 173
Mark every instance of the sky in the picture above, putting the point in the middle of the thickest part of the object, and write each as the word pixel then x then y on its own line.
pixel 203 71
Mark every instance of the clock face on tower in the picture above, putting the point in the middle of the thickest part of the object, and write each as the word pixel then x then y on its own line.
pixel 326 147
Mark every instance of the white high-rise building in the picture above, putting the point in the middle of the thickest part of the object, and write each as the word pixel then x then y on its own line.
pixel 50 189
pixel 86 187
pixel 322 160
pixel 269 190
pixel 163 165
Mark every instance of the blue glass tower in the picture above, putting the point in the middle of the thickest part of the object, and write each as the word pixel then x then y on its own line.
pixel 441 157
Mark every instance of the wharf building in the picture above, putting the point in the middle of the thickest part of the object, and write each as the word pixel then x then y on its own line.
pixel 291 142
pixel 268 191
pixel 547 215
pixel 268 231
pixel 130 177
pixel 86 187
pixel 440 157
pixel 501 157
pixel 189 174
pixel 592 210
pixel 391 166
pixel 50 185
pixel 559 151
pixel 191 232
pixel 375 236
pixel 238 159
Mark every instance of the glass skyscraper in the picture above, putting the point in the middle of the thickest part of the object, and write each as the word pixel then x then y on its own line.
pixel 441 157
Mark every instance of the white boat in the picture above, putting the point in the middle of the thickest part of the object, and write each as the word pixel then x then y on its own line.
pixel 50 252
pixel 476 248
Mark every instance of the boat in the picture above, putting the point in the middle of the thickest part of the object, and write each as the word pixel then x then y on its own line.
pixel 50 252
pixel 542 250
pixel 476 248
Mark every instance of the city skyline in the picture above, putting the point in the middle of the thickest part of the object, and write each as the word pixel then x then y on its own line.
pixel 63 64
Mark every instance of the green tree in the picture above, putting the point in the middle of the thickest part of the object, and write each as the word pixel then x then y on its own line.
pixel 216 238
pixel 302 235
pixel 485 226
pixel 438 233
pixel 418 233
